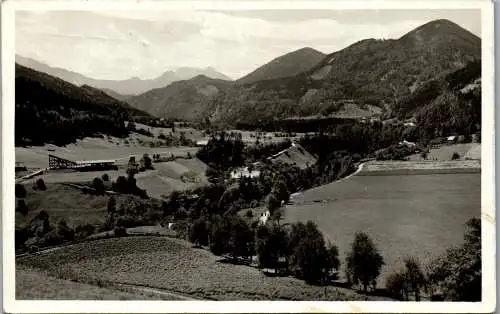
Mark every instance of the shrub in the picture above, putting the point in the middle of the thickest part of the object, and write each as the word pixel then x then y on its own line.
pixel 98 185
pixel 105 177
pixel 120 232
pixel 364 261
pixel 20 191
pixel 249 213
pixel 455 156
pixel 21 207
pixel 271 245
pixel 63 231
pixel 40 184
pixel 83 231
pixel 111 205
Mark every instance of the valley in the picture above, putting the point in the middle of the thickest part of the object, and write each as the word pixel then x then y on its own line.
pixel 313 177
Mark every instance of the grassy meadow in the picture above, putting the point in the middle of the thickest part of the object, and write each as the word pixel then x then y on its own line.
pixel 419 215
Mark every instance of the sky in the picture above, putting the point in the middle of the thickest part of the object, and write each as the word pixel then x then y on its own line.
pixel 123 44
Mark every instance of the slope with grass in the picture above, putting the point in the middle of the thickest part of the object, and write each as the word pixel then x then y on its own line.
pixel 172 264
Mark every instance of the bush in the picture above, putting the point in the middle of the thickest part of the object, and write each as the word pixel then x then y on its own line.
pixel 396 286
pixel 21 207
pixel 111 205
pixel 364 261
pixel 40 184
pixel 455 156
pixel 83 231
pixel 105 177
pixel 20 191
pixel 249 213
pixel 120 232
pixel 63 231
pixel 98 185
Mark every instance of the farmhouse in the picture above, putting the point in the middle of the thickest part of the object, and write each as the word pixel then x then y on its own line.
pixel 295 155
pixel 56 162
pixel 244 172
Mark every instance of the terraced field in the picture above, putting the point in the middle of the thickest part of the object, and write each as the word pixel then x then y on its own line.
pixel 419 215
pixel 173 265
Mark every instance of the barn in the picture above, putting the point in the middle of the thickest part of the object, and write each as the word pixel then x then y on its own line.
pixel 295 155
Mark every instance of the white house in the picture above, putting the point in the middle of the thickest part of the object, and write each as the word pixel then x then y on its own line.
pixel 243 172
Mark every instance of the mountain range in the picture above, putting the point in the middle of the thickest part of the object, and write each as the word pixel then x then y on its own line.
pixel 122 89
pixel 371 76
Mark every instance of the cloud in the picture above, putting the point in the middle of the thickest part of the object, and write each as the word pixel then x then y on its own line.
pixel 122 44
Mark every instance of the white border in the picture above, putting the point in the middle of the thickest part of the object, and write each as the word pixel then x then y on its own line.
pixel 487 180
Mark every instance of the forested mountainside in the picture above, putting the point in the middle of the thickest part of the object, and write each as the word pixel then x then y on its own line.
pixel 368 73
pixel 180 100
pixel 51 110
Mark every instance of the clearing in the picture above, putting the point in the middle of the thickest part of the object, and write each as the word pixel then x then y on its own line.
pixel 173 265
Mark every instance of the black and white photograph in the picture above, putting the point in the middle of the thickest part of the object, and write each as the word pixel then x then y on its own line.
pixel 259 151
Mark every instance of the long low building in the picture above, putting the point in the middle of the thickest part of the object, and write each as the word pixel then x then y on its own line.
pixel 56 162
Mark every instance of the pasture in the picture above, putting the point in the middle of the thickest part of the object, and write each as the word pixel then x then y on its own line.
pixel 418 215
pixel 444 153
pixel 173 265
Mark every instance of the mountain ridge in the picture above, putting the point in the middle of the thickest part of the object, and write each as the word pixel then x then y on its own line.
pixel 130 86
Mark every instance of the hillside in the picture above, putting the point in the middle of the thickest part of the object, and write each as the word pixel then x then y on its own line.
pixel 131 86
pixel 290 64
pixel 51 110
pixel 369 77
pixel 182 100
pixel 116 95
pixel 369 72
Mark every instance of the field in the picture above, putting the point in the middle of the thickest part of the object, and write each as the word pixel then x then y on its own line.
pixel 64 202
pixel 418 215
pixel 444 153
pixel 172 265
pixel 32 285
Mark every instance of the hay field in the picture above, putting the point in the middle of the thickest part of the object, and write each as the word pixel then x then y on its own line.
pixel 419 215
pixel 173 265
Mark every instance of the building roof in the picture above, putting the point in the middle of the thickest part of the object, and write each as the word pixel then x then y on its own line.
pixel 295 155
pixel 104 161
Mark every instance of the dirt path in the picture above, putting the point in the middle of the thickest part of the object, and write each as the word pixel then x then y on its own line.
pixel 158 292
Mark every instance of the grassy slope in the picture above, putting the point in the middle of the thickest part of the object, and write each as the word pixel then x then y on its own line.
pixel 172 264
pixel 420 215
pixel 66 202
pixel 34 285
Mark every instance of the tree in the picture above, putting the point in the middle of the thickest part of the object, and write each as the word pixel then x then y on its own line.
pixel 364 261
pixel 40 184
pixel 396 285
pixel 21 207
pixel 272 203
pixel 220 235
pixel 241 241
pixel 455 156
pixel 271 243
pixel 111 205
pixel 146 162
pixel 98 185
pixel 20 190
pixel 199 232
pixel 458 272
pixel 105 177
pixel 310 259
pixel 414 276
